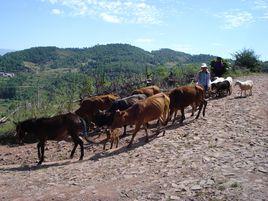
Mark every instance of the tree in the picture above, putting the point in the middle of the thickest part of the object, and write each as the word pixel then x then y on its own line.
pixel 247 58
pixel 264 66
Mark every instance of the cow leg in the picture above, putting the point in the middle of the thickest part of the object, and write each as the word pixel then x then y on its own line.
pixel 163 122
pixel 107 139
pixel 112 143
pixel 104 145
pixel 73 150
pixel 199 111
pixel 125 131
pixel 38 150
pixel 137 128
pixel 117 141
pixel 170 114
pixel 182 115
pixel 193 109
pixel 81 143
pixel 145 128
pixel 175 114
pixel 205 105
pixel 77 141
pixel 42 147
pixel 157 123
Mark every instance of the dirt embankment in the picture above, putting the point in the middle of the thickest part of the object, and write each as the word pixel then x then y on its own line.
pixel 220 157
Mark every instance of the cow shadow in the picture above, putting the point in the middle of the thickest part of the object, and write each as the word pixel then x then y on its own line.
pixel 240 97
pixel 124 149
pixel 34 167
pixel 177 124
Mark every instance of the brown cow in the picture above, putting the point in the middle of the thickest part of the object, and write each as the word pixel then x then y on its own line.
pixel 181 97
pixel 154 107
pixel 54 128
pixel 89 106
pixel 113 136
pixel 148 91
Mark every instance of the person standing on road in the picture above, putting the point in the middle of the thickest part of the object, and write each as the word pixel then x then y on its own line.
pixel 203 77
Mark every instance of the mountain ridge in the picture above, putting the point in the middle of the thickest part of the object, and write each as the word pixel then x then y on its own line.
pixel 107 56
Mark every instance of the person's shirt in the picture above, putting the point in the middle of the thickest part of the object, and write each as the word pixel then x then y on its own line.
pixel 218 65
pixel 203 78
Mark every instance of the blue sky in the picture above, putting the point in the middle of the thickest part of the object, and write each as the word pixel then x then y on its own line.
pixel 218 27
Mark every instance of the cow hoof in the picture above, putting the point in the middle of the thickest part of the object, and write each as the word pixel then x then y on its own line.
pixel 39 164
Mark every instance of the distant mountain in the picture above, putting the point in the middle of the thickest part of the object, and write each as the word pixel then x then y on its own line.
pixel 168 55
pixel 4 51
pixel 111 57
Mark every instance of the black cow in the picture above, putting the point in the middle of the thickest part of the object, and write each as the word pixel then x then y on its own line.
pixel 102 118
pixel 220 88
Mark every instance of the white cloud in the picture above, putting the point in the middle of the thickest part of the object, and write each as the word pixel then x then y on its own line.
pixel 235 18
pixel 262 7
pixel 53 1
pixel 114 11
pixel 56 11
pixel 144 40
pixel 261 4
pixel 265 16
pixel 110 18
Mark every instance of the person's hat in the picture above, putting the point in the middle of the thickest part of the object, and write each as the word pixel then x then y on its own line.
pixel 204 65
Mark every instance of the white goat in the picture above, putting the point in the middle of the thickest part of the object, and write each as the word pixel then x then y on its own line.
pixel 244 86
pixel 230 80
pixel 217 79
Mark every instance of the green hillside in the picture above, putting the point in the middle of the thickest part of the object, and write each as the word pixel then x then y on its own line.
pixel 111 57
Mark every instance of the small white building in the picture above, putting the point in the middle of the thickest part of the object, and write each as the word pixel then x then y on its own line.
pixel 4 74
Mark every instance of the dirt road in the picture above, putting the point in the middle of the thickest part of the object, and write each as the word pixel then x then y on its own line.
pixel 220 157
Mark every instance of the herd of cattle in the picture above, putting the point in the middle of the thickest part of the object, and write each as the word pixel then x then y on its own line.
pixel 112 112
